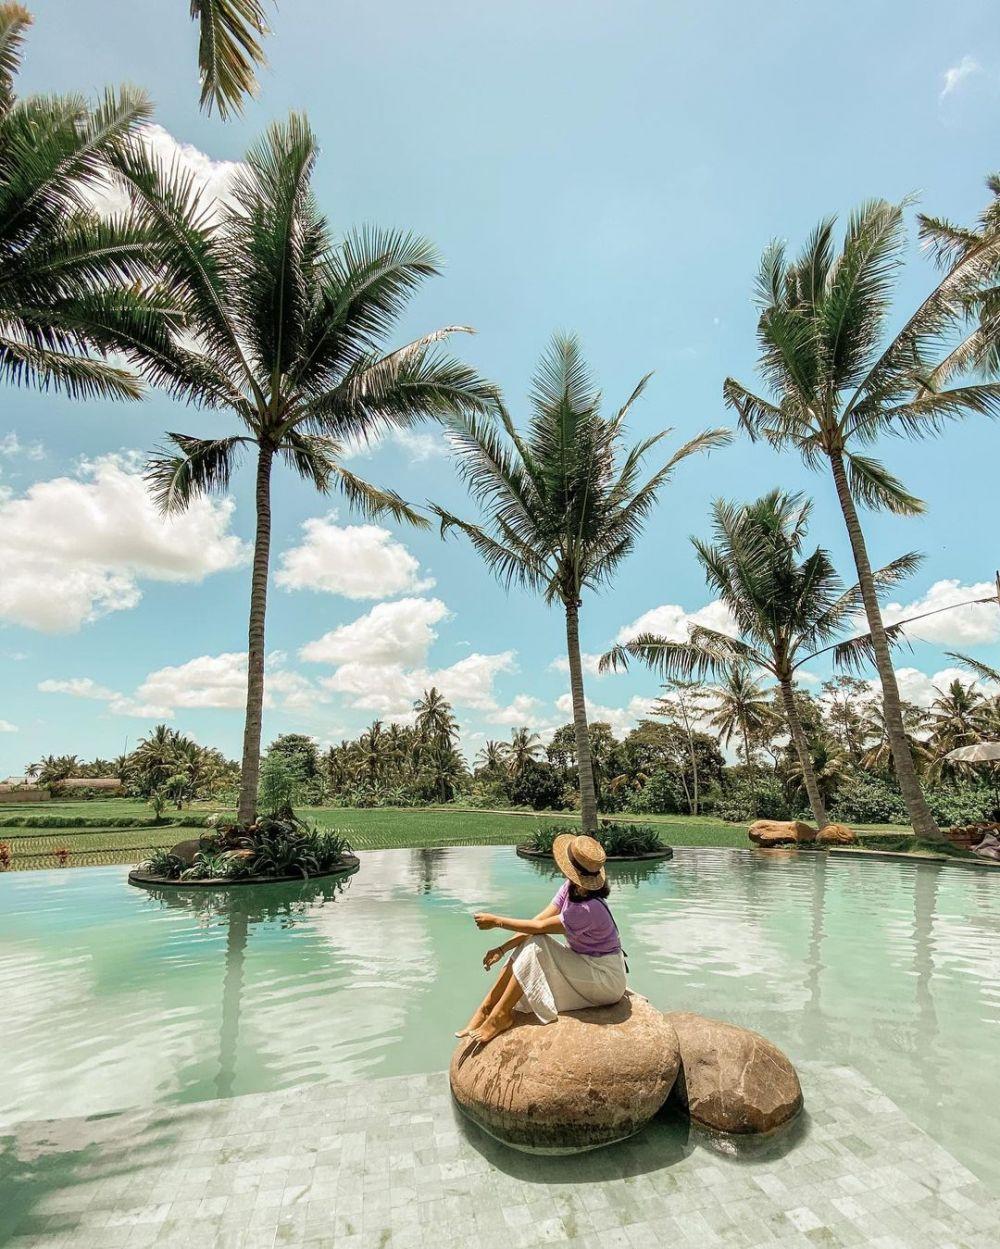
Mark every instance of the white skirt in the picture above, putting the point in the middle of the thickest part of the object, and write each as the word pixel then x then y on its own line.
pixel 555 978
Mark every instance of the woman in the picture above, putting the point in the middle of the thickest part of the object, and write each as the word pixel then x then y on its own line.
pixel 545 976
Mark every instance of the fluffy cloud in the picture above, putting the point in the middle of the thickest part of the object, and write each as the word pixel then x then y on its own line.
pixel 398 633
pixel 381 661
pixel 218 681
pixel 672 622
pixel 418 446
pixel 523 710
pixel 357 561
pixel 962 626
pixel 955 75
pixel 917 687
pixel 7 727
pixel 74 548
pixel 621 719
pixel 11 447
pixel 214 178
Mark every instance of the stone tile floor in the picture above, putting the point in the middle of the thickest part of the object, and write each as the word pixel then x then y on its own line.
pixel 389 1165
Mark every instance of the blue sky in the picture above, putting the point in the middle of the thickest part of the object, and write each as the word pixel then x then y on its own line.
pixel 614 170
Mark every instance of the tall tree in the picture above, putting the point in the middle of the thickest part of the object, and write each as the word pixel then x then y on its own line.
pixel 565 502
pixel 74 286
pixel 839 381
pixel 524 748
pixel 741 706
pixel 285 329
pixel 785 605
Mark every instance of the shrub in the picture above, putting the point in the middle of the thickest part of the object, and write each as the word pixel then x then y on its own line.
pixel 329 847
pixel 867 799
pixel 617 839
pixel 539 786
pixel 753 798
pixel 661 795
pixel 961 803
pixel 282 780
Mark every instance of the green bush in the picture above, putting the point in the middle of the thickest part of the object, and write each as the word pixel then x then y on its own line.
pixel 617 839
pixel 753 798
pixel 661 795
pixel 962 803
pixel 539 786
pixel 868 799
pixel 329 846
pixel 162 863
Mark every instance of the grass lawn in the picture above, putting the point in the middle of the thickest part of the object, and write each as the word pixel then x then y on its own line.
pixel 90 844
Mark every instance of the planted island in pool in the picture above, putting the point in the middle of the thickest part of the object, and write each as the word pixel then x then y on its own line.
pixel 621 842
pixel 274 848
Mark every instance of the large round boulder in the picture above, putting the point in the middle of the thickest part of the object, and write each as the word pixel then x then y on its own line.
pixel 780 832
pixel 589 1078
pixel 837 835
pixel 732 1079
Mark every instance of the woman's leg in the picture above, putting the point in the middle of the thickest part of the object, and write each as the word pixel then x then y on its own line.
pixel 490 1000
pixel 501 1014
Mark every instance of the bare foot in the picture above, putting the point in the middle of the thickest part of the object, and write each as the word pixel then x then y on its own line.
pixel 492 1028
pixel 478 1018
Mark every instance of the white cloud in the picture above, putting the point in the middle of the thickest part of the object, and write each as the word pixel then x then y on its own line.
pixel 213 177
pixel 955 75
pixel 7 727
pixel 216 681
pixel 963 626
pixel 11 446
pixel 917 687
pixel 357 561
pixel 390 689
pixel 73 549
pixel 399 633
pixel 587 662
pixel 78 687
pixel 418 446
pixel 672 622
pixel 523 710
pixel 621 719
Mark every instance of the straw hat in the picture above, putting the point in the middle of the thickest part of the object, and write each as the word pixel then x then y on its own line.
pixel 580 859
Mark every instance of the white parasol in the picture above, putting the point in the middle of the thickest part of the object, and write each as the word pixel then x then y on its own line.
pixel 981 752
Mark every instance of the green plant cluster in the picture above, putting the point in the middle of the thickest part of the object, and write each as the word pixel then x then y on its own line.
pixel 274 846
pixel 618 840
pixel 101 821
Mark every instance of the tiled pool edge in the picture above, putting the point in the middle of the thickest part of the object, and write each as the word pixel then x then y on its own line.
pixel 387 1164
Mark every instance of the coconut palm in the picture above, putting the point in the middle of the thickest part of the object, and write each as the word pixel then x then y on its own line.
pixel 229 51
pixel 958 716
pixel 73 286
pixel 741 706
pixel 372 749
pixel 524 748
pixel 839 382
pixel 785 606
pixel 435 720
pixel 878 756
pixel 564 501
pixel 285 329
pixel 492 757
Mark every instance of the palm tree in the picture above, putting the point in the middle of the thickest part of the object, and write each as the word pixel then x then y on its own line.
pixel 828 765
pixel 838 385
pixel 523 749
pixel 73 286
pixel 285 329
pixel 742 706
pixel 786 607
pixel 564 500
pixel 958 717
pixel 434 717
pixel 372 749
pixel 492 757
pixel 228 51
pixel 878 756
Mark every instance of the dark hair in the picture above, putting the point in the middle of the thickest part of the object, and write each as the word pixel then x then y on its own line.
pixel 576 894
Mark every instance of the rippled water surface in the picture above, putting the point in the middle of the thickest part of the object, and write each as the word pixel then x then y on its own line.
pixel 113 997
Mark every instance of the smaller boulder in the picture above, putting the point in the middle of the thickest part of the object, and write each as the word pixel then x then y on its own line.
pixel 732 1079
pixel 780 832
pixel 186 850
pixel 837 835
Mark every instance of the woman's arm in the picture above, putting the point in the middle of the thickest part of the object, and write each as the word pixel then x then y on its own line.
pixel 493 956
pixel 548 920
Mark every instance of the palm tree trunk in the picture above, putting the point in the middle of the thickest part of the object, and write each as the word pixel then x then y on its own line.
pixel 923 822
pixel 585 768
pixel 802 750
pixel 247 810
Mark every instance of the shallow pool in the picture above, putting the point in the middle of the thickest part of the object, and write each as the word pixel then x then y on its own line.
pixel 114 997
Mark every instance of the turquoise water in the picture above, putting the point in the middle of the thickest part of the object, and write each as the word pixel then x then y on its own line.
pixel 114 997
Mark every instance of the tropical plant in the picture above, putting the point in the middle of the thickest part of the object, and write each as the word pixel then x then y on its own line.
pixel 740 706
pixel 229 51
pixel 162 863
pixel 281 851
pixel 282 779
pixel 681 707
pixel 839 382
pixel 958 716
pixel 329 848
pixel 435 720
pixel 565 502
pixel 492 758
pixel 524 748
pixel 620 840
pixel 785 608
pixel 285 329
pixel 74 287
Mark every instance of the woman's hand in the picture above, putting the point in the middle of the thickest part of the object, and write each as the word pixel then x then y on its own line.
pixel 485 920
pixel 492 957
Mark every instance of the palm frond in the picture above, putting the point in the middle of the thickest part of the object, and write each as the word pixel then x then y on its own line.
pixel 873 485
pixel 14 22
pixel 373 502
pixel 199 466
pixel 229 53
pixel 976 666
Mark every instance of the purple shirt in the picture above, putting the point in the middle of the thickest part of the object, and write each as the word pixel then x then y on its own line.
pixel 589 926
